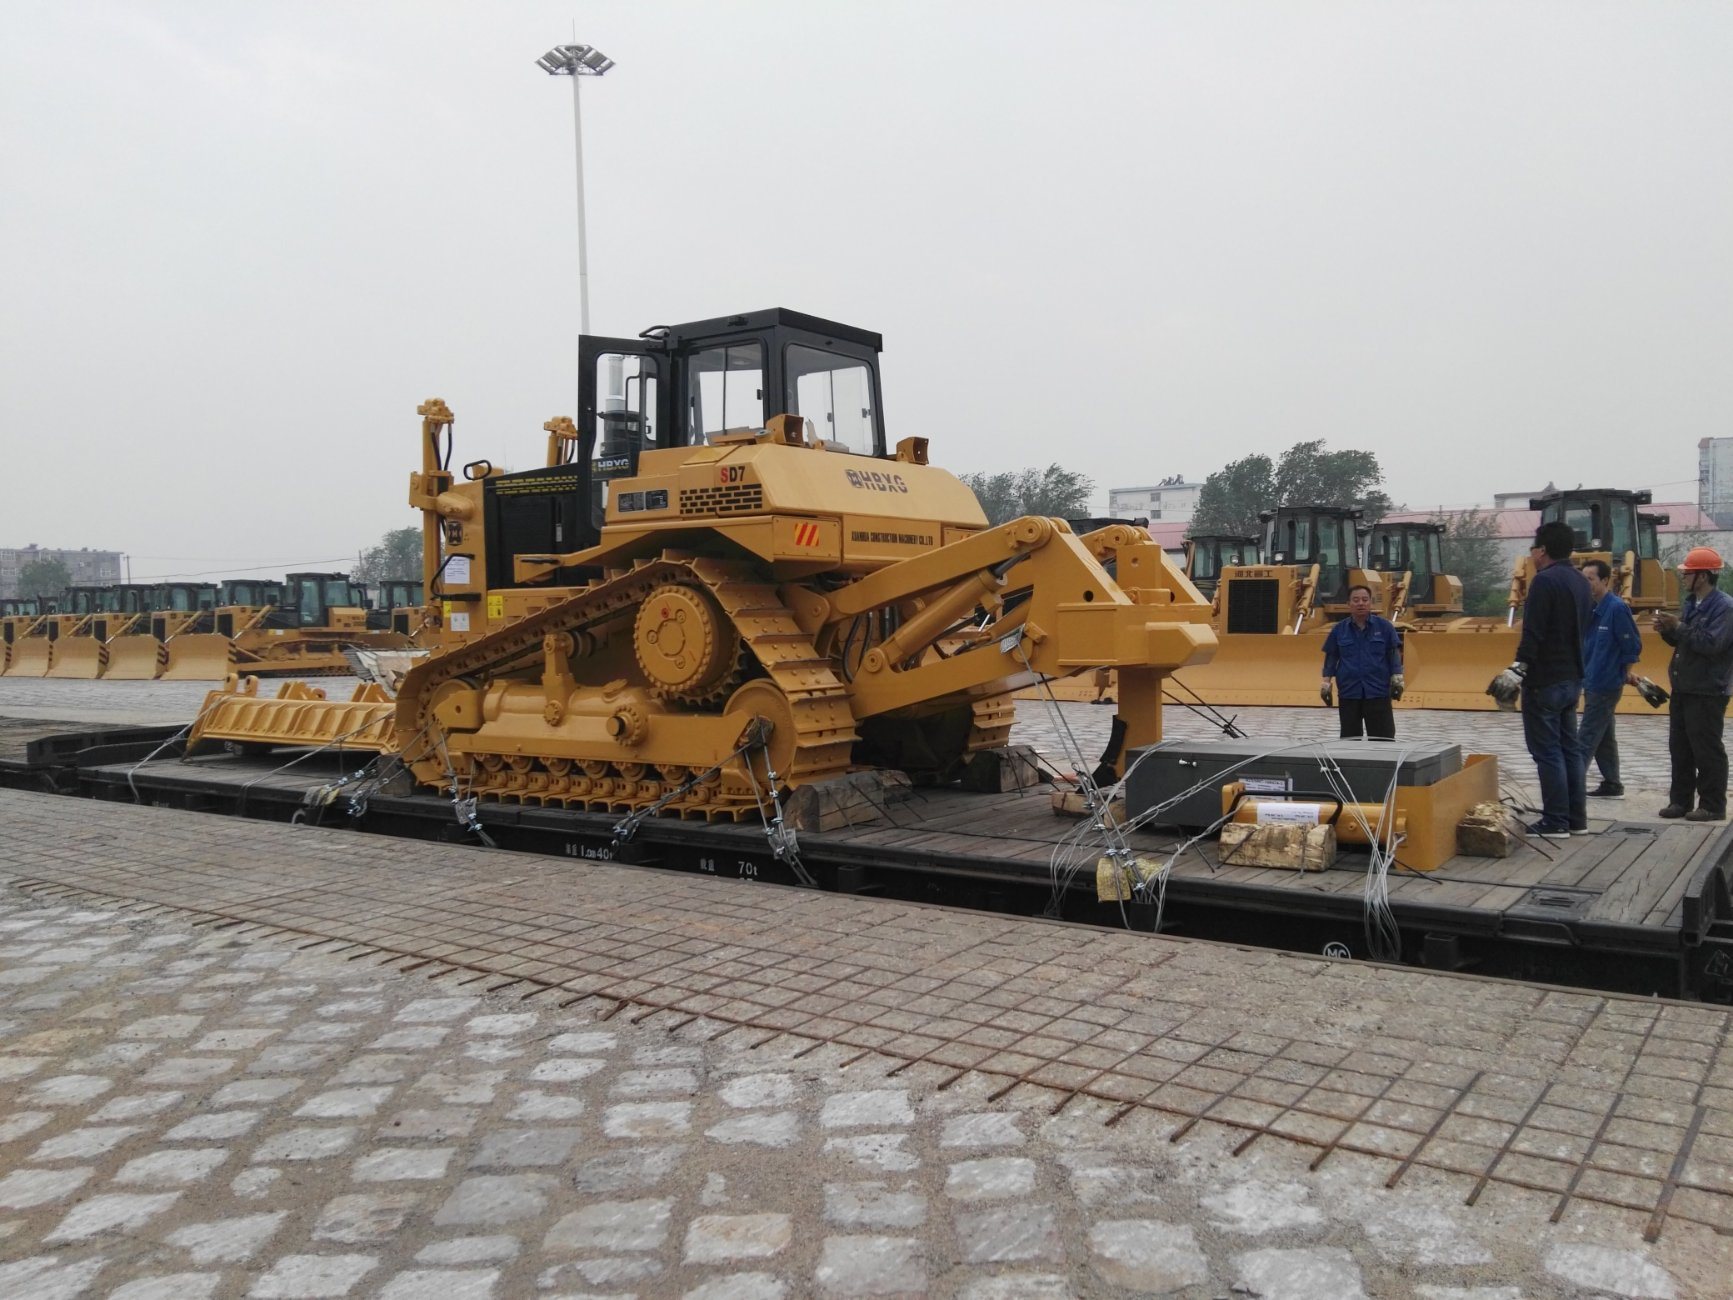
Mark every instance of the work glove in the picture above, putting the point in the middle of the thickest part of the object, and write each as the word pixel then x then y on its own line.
pixel 1507 685
pixel 1397 686
pixel 1324 691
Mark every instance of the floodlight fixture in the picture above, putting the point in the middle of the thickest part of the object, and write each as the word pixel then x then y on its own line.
pixel 574 61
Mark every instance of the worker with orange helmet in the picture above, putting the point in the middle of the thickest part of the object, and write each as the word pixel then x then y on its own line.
pixel 1702 676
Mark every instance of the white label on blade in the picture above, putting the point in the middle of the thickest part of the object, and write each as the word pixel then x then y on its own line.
pixel 457 570
pixel 1009 642
pixel 1267 784
pixel 1288 814
pixel 458 623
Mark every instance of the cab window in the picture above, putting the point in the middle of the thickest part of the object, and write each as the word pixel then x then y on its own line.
pixel 725 390
pixel 834 392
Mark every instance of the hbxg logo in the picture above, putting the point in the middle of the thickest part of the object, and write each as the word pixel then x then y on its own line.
pixel 874 481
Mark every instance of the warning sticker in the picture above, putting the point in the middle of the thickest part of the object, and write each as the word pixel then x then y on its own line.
pixel 457 570
pixel 495 607
pixel 458 622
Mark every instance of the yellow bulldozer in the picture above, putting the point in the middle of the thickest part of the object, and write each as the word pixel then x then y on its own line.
pixel 1449 664
pixel 723 585
pixel 166 610
pixel 24 635
pixel 296 627
pixel 1271 616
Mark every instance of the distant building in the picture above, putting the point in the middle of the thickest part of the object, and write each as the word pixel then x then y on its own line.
pixel 1518 500
pixel 1170 501
pixel 88 568
pixel 1715 479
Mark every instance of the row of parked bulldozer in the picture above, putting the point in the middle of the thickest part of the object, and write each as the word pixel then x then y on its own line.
pixel 1273 598
pixel 194 631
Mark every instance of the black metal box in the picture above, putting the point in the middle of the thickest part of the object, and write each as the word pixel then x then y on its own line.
pixel 1291 769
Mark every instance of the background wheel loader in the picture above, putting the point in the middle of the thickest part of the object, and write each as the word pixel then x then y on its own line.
pixel 725 585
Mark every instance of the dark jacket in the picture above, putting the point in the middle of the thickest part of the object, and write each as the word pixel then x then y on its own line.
pixel 1554 618
pixel 1703 646
pixel 1362 660
pixel 1611 645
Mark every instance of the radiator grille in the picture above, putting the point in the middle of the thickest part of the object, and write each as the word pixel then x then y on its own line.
pixel 1252 604
pixel 731 499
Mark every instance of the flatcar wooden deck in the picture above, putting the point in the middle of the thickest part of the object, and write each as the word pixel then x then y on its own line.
pixel 1633 907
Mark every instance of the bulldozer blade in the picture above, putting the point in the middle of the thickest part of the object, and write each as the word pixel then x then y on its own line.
pixel 81 657
pixel 31 656
pixel 135 658
pixel 1451 670
pixel 298 716
pixel 1258 668
pixel 199 657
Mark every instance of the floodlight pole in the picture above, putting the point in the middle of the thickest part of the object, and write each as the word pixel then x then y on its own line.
pixel 578 62
pixel 583 242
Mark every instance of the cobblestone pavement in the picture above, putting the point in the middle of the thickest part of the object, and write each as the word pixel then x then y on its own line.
pixel 513 1076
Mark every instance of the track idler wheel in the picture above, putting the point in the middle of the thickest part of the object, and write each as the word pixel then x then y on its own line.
pixel 686 645
pixel 762 698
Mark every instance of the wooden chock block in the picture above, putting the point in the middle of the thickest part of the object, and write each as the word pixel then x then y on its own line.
pixel 851 800
pixel 1296 848
pixel 1068 802
pixel 996 771
pixel 1484 832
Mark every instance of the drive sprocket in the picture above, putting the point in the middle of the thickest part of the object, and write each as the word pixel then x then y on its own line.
pixel 687 647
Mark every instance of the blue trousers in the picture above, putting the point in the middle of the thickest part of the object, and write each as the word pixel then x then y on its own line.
pixel 1549 725
pixel 1596 737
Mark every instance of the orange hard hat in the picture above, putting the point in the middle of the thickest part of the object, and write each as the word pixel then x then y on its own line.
pixel 1702 559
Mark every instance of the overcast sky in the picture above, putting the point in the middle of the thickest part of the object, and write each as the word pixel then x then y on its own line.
pixel 1491 242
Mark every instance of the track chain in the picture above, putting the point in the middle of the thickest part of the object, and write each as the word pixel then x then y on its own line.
pixel 817 698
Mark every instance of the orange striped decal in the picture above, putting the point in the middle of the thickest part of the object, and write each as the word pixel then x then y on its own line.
pixel 806 534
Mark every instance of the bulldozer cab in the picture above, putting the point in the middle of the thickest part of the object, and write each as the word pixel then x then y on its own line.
pixel 251 593
pixel 313 596
pixel 1603 524
pixel 1208 554
pixel 183 597
pixel 1415 552
pixel 679 386
pixel 395 594
pixel 1604 520
pixel 1320 535
pixel 90 600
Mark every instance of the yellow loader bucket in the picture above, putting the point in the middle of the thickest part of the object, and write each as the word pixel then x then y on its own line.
pixel 199 657
pixel 1253 668
pixel 30 657
pixel 83 657
pixel 135 658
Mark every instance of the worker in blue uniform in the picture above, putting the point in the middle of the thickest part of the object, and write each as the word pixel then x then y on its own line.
pixel 1363 654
